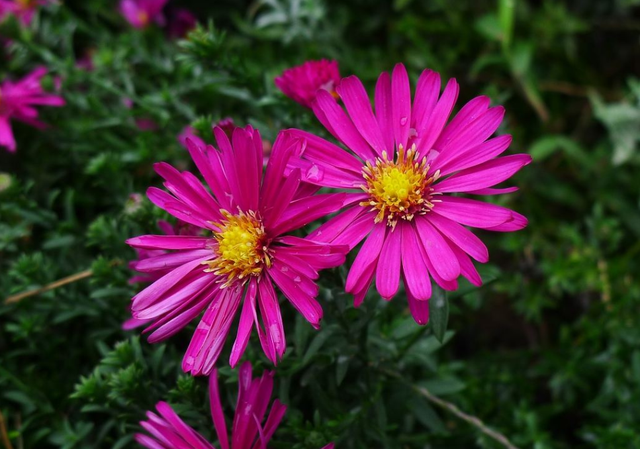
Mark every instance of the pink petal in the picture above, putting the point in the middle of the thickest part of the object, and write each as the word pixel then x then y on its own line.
pixel 180 242
pixel 400 105
pixel 383 105
pixel 419 309
pixel 433 126
pixel 415 271
pixel 438 250
pixel 477 214
pixel 367 256
pixel 343 126
pixel 388 272
pixel 217 413
pixel 245 325
pixel 356 100
pixel 461 237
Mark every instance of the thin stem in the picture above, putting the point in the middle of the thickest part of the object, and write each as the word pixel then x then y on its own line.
pixel 452 408
pixel 4 436
pixel 59 283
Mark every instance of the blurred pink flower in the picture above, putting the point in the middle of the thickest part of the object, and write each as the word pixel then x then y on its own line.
pixel 180 22
pixel 250 429
pixel 17 101
pixel 141 13
pixel 23 10
pixel 302 83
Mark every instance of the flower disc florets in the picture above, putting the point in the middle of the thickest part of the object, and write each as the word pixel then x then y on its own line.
pixel 400 188
pixel 242 249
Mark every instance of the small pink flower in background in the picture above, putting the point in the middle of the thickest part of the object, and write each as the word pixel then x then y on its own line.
pixel 23 10
pixel 407 166
pixel 18 101
pixel 146 124
pixel 302 83
pixel 141 13
pixel 180 22
pixel 227 125
pixel 189 132
pixel 250 429
pixel 245 254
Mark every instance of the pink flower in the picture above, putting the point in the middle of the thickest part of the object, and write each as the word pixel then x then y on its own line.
pixel 406 163
pixel 189 132
pixel 247 252
pixel 141 13
pixel 250 429
pixel 17 101
pixel 302 83
pixel 228 126
pixel 181 21
pixel 24 10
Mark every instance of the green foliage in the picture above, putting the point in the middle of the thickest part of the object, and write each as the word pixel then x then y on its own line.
pixel 546 352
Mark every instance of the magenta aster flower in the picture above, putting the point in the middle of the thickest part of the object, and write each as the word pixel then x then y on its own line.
pixel 245 254
pixel 301 83
pixel 250 430
pixel 180 22
pixel 406 164
pixel 141 13
pixel 23 10
pixel 17 101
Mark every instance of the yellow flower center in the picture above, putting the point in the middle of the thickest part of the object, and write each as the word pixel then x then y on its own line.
pixel 242 248
pixel 400 188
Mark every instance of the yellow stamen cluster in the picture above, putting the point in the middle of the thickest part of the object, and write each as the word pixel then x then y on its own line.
pixel 399 189
pixel 242 248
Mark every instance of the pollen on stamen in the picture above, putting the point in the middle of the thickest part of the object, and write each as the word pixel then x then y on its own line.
pixel 398 189
pixel 241 251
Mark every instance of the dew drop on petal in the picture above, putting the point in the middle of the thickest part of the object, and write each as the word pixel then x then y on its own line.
pixel 314 173
pixel 297 279
pixel 403 121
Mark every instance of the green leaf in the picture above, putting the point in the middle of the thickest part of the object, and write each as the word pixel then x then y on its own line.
pixel 439 313
pixel 506 13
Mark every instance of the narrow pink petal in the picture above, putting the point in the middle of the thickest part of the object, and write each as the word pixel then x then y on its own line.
pixel 462 119
pixel 325 174
pixel 217 414
pixel 336 225
pixel 317 149
pixel 150 294
pixel 400 104
pixel 477 214
pixel 415 271
pixel 180 242
pixel 356 231
pixel 487 192
pixel 209 337
pixel 6 135
pixel 467 269
pixel 516 223
pixel 272 211
pixel 484 175
pixel 245 325
pixel 356 100
pixel 388 272
pixel 344 127
pixel 474 156
pixel 419 309
pixel 383 105
pixel 367 256
pixel 272 318
pixel 433 126
pixel 438 250
pixel 460 236
pixel 305 210
pixel 426 97
pixel 472 135
pixel 305 304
